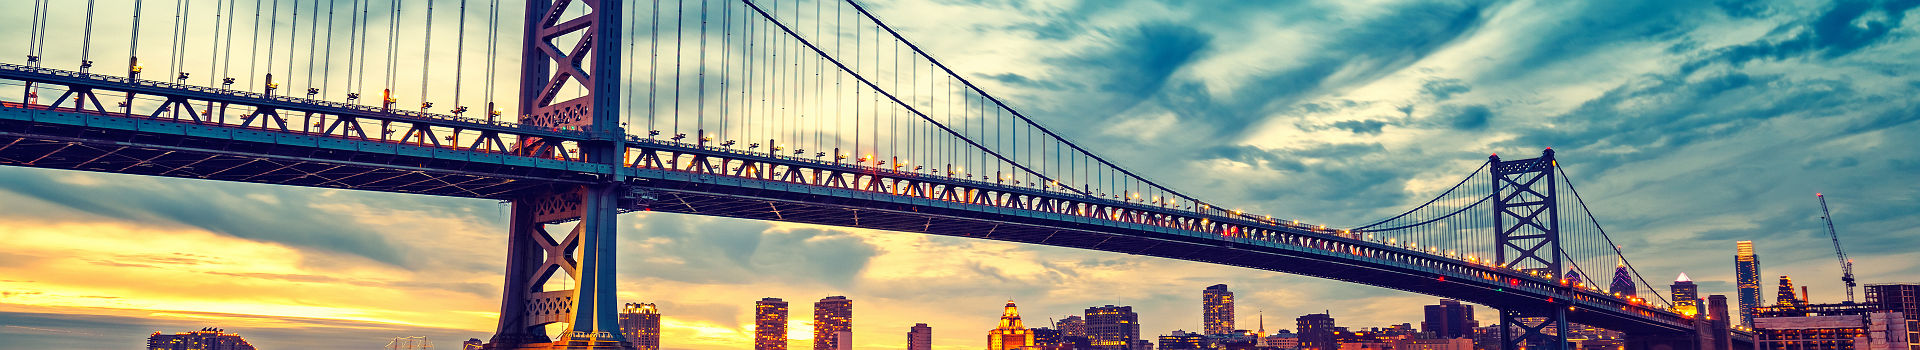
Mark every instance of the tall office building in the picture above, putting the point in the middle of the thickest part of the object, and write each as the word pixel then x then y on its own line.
pixel 1316 332
pixel 1686 295
pixel 1112 327
pixel 831 317
pixel 1449 320
pixel 1072 326
pixel 1011 334
pixel 640 323
pixel 1785 298
pixel 1746 274
pixel 1216 307
pixel 1622 281
pixel 920 337
pixel 770 324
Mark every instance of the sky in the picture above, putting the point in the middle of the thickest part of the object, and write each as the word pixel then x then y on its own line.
pixel 1688 125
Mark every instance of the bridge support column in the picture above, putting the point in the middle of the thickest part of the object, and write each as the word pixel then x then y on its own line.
pixel 538 264
pixel 551 63
pixel 1533 331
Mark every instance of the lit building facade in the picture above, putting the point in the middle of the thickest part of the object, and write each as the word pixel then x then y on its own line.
pixel 1011 334
pixel 640 323
pixel 1903 298
pixel 1216 307
pixel 203 339
pixel 1182 340
pixel 1836 332
pixel 770 324
pixel 1622 281
pixel 1785 299
pixel 1316 332
pixel 1433 344
pixel 1449 320
pixel 1686 295
pixel 1112 327
pixel 1072 326
pixel 831 317
pixel 920 337
pixel 1746 275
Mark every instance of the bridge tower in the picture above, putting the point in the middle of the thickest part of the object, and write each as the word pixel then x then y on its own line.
pixel 1527 238
pixel 535 259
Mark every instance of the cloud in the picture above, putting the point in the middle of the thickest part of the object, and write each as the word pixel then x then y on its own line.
pixel 1443 89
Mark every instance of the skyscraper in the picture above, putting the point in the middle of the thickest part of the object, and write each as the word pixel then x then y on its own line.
pixel 1686 295
pixel 1072 326
pixel 832 316
pixel 1622 281
pixel 1785 298
pixel 770 324
pixel 1449 320
pixel 1112 327
pixel 640 323
pixel 1316 332
pixel 1216 307
pixel 920 337
pixel 1011 334
pixel 1746 274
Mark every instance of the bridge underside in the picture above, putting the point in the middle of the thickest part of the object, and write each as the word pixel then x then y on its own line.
pixel 80 141
pixel 756 201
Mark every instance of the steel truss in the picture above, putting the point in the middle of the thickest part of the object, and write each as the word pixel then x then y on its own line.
pixel 156 100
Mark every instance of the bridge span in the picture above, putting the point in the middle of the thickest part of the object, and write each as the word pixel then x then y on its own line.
pixel 1512 235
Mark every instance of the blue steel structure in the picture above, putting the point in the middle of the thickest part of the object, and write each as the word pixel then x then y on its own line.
pixel 569 160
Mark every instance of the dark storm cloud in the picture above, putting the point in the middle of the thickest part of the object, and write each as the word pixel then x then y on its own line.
pixel 1846 27
pixel 1368 126
pixel 1471 117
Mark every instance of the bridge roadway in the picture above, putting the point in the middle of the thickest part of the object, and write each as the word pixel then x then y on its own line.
pixel 322 151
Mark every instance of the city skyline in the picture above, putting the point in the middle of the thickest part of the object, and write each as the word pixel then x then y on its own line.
pixel 1305 132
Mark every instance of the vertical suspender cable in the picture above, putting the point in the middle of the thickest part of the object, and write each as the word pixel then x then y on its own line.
pixel 700 99
pixel 426 58
pixel 493 43
pixel 627 101
pixel 86 41
pixel 273 38
pixel 393 52
pixel 226 58
pixel 253 61
pixel 679 24
pixel 293 40
pixel 653 72
pixel 33 34
pixel 133 48
pixel 460 56
pixel 726 60
pixel 313 44
pixel 356 50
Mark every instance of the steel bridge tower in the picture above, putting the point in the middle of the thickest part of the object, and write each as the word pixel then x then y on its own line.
pixel 534 258
pixel 1527 238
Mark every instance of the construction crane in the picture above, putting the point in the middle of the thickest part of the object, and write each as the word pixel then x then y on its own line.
pixel 1846 265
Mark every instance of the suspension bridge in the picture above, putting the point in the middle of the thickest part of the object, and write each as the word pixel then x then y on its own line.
pixel 809 111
